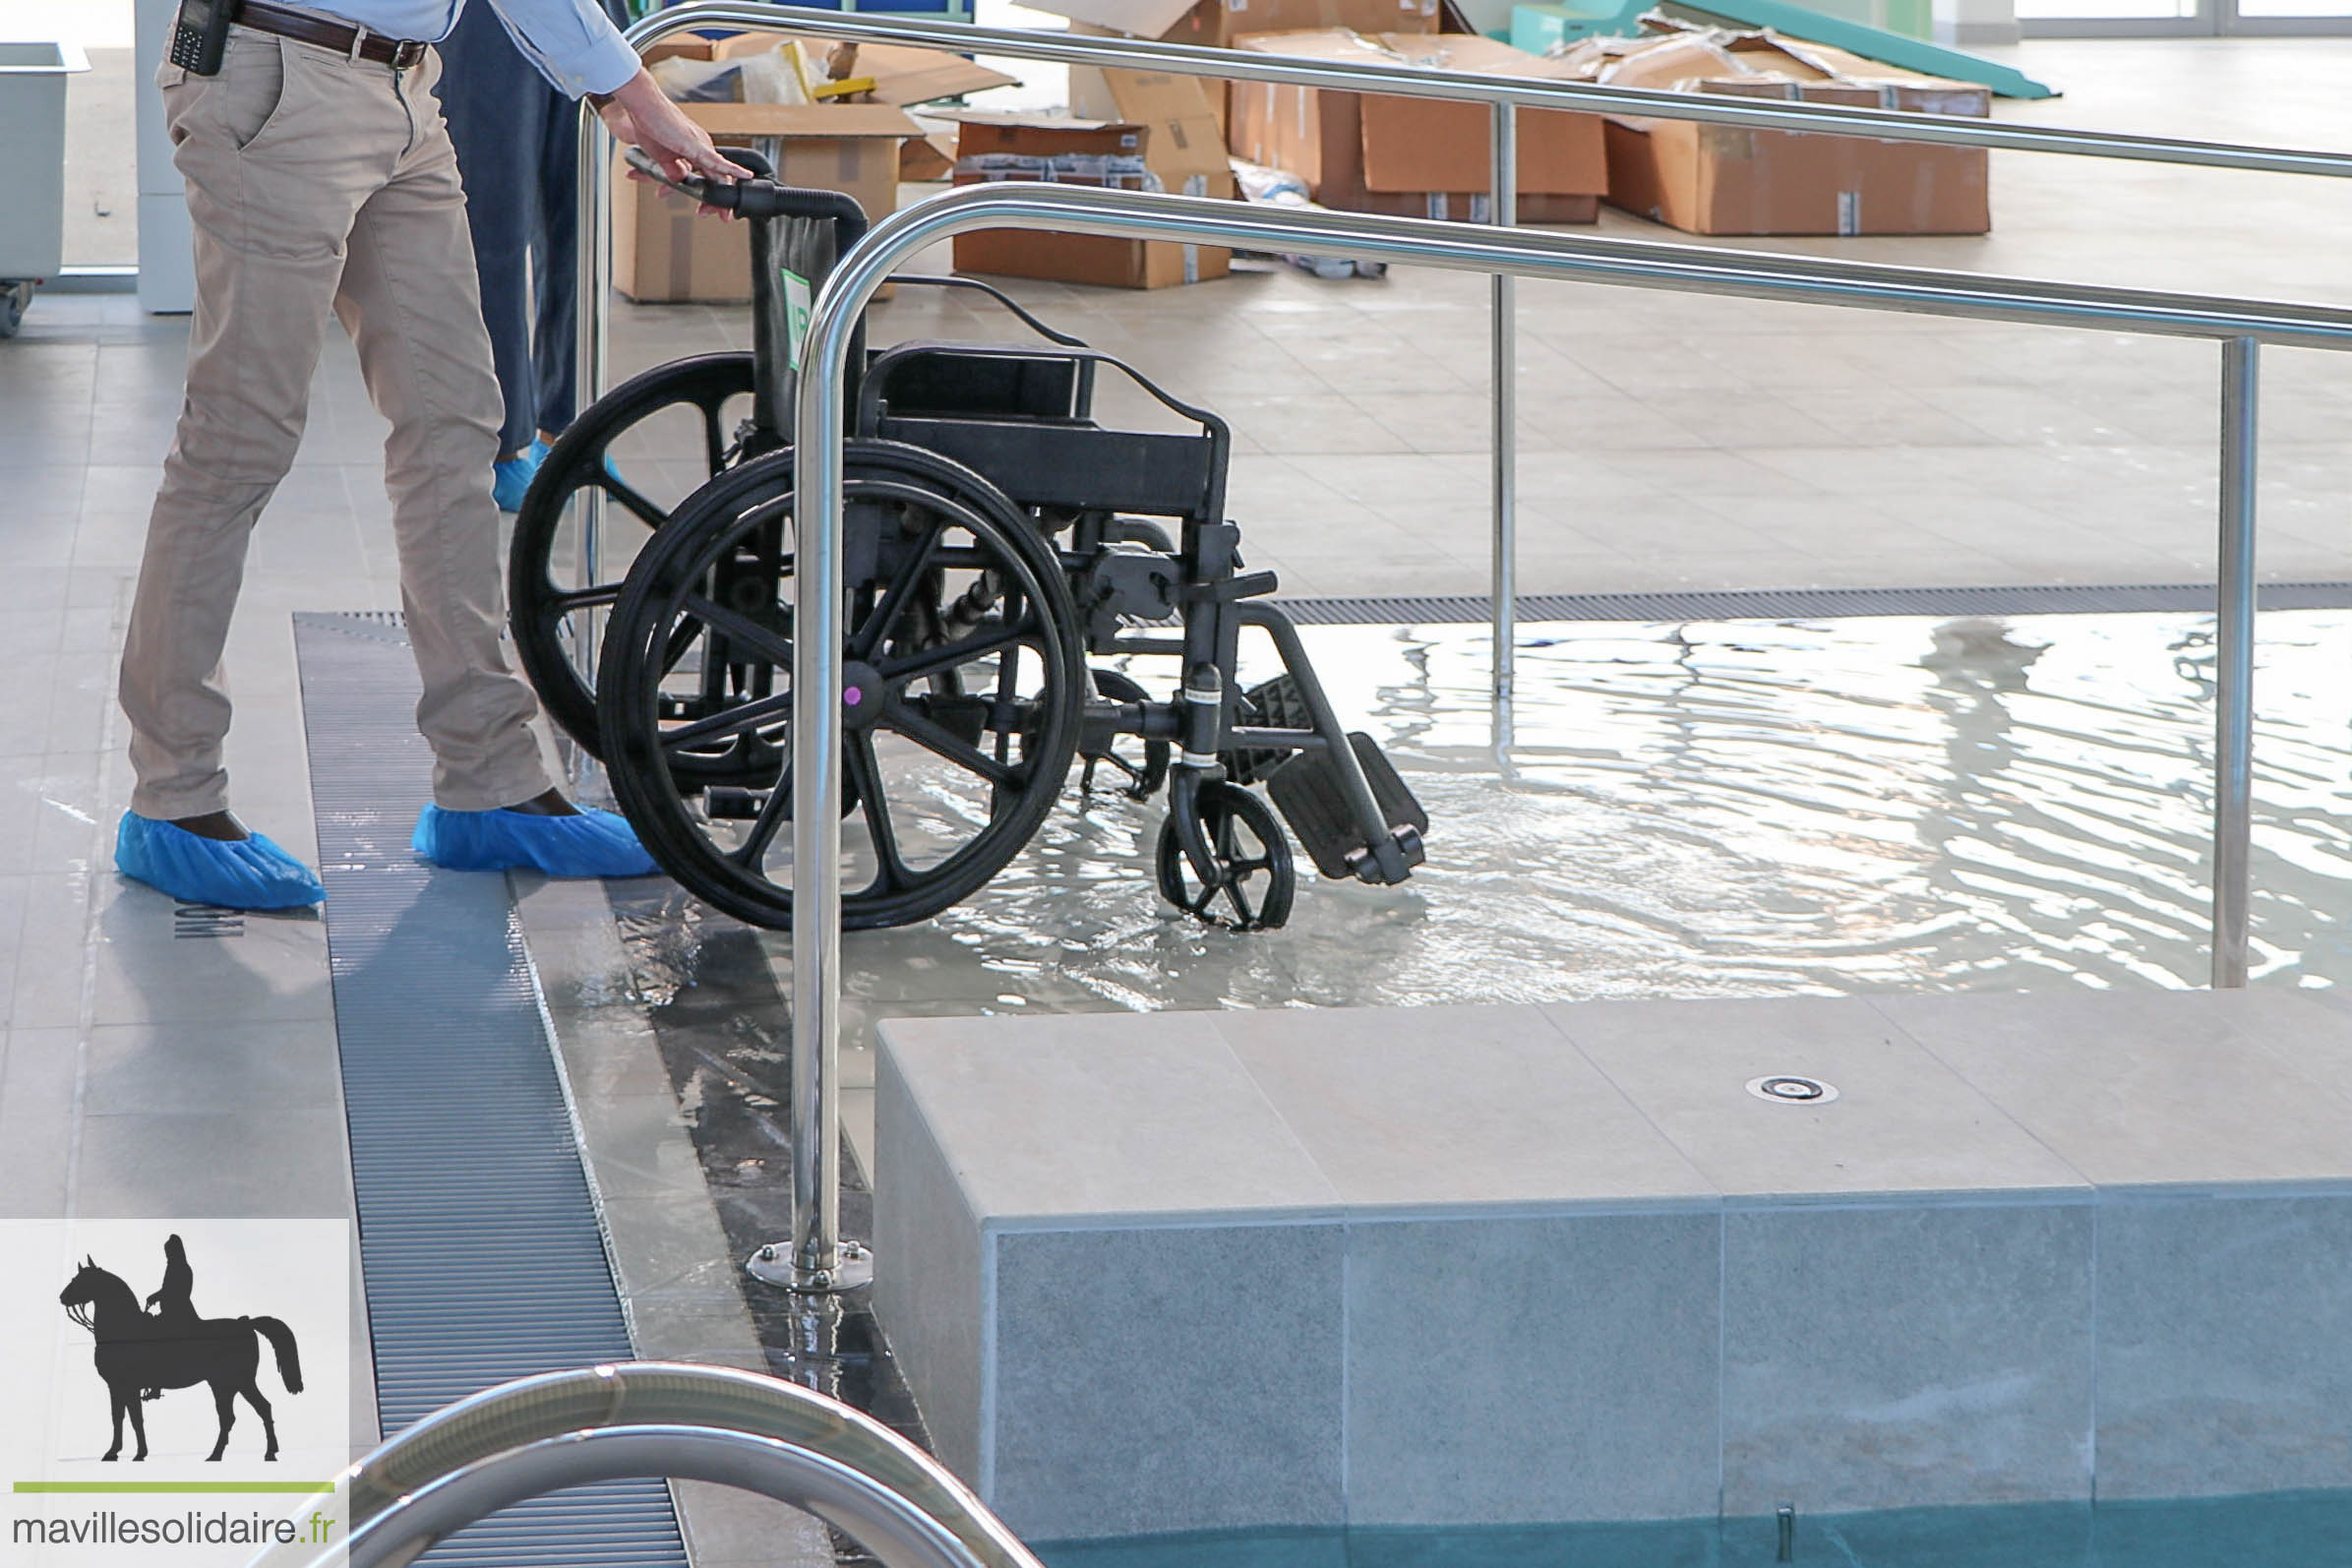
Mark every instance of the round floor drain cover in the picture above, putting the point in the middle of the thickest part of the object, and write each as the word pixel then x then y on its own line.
pixel 1791 1090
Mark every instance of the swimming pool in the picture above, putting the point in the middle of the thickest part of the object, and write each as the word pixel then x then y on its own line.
pixel 1881 804
pixel 1728 808
pixel 2285 1530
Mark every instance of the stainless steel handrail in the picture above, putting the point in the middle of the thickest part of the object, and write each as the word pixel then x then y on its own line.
pixel 643 1419
pixel 1504 97
pixel 2238 325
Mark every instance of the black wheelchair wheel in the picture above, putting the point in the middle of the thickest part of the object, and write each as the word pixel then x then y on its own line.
pixel 1257 881
pixel 645 445
pixel 963 685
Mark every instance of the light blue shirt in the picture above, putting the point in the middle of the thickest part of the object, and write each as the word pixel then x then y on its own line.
pixel 573 43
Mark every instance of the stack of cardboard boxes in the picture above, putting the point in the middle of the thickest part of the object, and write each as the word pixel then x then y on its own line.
pixel 1141 131
pixel 1721 179
pixel 1355 152
pixel 661 251
pixel 1416 157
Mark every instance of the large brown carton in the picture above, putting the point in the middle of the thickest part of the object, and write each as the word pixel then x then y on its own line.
pixel 1718 179
pixel 662 251
pixel 1418 157
pixel 1112 153
pixel 1723 179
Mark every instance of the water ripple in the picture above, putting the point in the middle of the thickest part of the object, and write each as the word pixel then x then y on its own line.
pixel 1727 809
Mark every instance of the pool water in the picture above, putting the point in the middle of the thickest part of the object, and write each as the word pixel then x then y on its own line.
pixel 1722 809
pixel 2287 1529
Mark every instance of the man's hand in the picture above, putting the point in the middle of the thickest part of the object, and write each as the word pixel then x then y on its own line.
pixel 639 115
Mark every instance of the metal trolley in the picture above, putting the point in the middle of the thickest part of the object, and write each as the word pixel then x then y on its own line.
pixel 999 537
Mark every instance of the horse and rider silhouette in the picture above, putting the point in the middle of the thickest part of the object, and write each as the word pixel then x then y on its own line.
pixel 143 1351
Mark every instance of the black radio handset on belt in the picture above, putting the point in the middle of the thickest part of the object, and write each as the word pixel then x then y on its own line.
pixel 200 34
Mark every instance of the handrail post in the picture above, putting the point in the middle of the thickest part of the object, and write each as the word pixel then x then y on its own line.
pixel 1504 209
pixel 2233 659
pixel 820 1260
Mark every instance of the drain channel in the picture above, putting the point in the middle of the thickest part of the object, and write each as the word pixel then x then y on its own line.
pixel 481 1255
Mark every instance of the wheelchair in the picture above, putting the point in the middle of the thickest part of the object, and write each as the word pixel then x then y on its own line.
pixel 1000 545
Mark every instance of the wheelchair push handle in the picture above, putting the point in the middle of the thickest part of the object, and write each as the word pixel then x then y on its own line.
pixel 763 198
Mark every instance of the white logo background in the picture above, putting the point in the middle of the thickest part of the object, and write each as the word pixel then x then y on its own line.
pixel 55 1411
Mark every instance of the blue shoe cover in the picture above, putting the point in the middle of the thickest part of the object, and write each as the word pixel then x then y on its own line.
pixel 248 873
pixel 593 844
pixel 510 479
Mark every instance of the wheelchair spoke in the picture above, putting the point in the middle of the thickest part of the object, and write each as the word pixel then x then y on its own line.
pixel 733 721
pixel 678 644
pixel 869 637
pixel 866 773
pixel 613 485
pixel 742 628
pixel 715 445
pixel 947 657
pixel 565 601
pixel 772 811
pixel 940 742
pixel 1008 685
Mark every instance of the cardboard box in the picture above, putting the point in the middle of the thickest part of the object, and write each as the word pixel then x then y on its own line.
pixel 663 251
pixel 1185 146
pixel 1722 179
pixel 1714 179
pixel 902 74
pixel 1217 22
pixel 1418 157
pixel 1223 23
pixel 929 156
pixel 1103 153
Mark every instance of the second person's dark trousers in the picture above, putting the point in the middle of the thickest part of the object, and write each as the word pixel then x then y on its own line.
pixel 517 141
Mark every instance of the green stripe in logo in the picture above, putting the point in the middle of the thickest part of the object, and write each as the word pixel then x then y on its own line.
pixel 302 1487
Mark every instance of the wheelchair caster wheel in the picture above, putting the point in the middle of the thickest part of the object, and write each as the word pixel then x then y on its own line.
pixel 1142 772
pixel 1256 880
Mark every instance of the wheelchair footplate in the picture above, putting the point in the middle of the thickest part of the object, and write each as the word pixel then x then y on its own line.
pixel 1312 800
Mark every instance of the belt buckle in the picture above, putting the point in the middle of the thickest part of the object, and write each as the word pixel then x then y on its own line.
pixel 407 54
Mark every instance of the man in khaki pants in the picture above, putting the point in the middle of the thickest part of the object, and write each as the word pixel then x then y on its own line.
pixel 319 178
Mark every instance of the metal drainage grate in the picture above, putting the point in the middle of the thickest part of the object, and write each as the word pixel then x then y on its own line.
pixel 481 1254
pixel 1802 604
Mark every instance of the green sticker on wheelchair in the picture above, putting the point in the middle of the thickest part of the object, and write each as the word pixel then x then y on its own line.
pixel 796 313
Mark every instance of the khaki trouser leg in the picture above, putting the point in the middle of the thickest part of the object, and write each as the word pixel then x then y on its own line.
pixel 412 305
pixel 318 182
pixel 268 252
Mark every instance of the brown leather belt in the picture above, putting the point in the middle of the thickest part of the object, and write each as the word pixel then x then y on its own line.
pixel 340 36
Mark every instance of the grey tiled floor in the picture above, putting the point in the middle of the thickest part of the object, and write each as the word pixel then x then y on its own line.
pixel 1667 441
